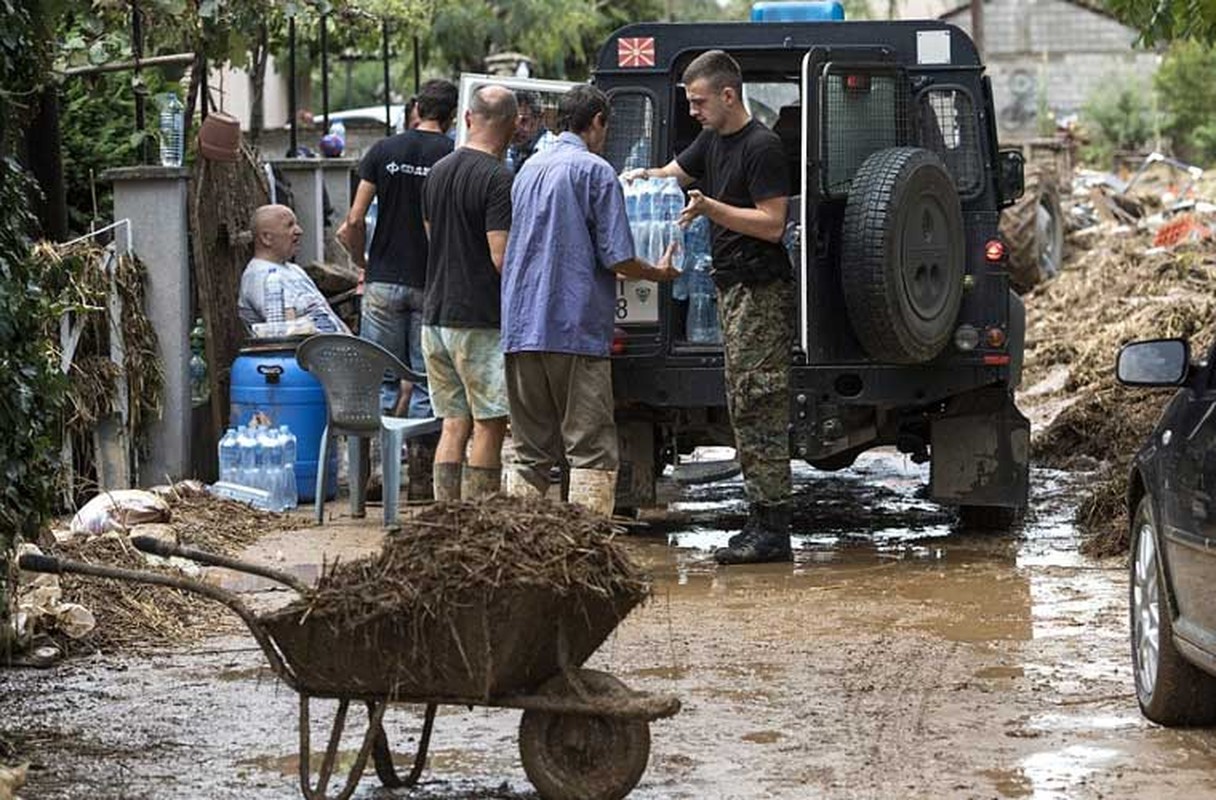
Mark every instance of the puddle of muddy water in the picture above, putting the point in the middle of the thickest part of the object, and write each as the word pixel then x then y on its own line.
pixel 900 656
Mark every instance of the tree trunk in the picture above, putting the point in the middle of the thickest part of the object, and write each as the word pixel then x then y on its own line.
pixel 257 89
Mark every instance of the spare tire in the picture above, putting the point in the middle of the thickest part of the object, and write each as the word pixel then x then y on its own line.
pixel 903 255
pixel 1033 227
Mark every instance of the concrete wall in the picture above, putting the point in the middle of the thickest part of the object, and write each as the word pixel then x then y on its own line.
pixel 1058 47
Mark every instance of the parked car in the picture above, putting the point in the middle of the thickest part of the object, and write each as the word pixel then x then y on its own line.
pixel 1171 503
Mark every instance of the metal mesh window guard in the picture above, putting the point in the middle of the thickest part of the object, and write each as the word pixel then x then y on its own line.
pixel 862 113
pixel 630 131
pixel 949 128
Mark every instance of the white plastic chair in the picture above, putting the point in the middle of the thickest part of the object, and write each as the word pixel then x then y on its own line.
pixel 351 370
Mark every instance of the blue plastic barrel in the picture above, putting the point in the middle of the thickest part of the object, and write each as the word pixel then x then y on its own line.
pixel 267 379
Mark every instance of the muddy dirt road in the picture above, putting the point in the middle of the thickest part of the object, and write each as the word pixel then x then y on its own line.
pixel 899 657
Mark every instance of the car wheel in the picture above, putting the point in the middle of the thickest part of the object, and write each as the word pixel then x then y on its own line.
pixel 1171 690
pixel 1034 230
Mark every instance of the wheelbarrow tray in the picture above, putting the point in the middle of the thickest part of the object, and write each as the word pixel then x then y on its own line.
pixel 483 646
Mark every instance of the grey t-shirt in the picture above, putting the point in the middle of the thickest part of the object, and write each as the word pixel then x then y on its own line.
pixel 299 293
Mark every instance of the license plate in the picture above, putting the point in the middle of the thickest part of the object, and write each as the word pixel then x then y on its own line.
pixel 637 301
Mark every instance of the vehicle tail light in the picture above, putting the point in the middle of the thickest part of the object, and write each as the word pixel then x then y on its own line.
pixel 618 341
pixel 994 251
pixel 996 359
pixel 995 337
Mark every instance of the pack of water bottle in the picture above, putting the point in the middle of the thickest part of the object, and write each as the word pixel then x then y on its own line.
pixel 263 458
pixel 653 206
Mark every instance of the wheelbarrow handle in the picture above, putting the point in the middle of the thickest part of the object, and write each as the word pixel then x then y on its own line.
pixel 58 566
pixel 159 547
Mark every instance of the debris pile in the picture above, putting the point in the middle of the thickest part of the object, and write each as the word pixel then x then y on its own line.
pixel 1116 287
pixel 133 615
pixel 452 549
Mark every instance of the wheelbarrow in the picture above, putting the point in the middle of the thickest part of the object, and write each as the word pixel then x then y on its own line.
pixel 583 734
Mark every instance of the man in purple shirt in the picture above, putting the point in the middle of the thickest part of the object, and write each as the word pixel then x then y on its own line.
pixel 569 244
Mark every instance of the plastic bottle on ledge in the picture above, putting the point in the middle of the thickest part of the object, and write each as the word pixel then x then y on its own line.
pixel 272 296
pixel 172 130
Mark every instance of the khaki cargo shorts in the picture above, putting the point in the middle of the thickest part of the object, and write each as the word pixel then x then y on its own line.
pixel 465 371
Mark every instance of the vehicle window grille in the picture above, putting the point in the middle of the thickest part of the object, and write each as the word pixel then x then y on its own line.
pixel 949 128
pixel 630 131
pixel 858 122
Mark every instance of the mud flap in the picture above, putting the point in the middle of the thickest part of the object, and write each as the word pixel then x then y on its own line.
pixel 980 451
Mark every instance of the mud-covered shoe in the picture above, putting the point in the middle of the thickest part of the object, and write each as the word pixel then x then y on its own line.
pixel 756 547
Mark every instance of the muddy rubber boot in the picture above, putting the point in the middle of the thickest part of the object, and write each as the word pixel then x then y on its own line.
pixel 594 489
pixel 478 483
pixel 768 540
pixel 754 523
pixel 518 485
pixel 419 467
pixel 446 481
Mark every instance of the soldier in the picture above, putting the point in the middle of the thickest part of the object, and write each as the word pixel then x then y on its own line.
pixel 741 167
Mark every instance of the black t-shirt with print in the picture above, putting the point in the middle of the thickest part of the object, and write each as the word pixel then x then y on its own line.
pixel 738 169
pixel 398 166
pixel 466 195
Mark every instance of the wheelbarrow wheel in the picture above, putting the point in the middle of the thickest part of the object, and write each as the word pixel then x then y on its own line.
pixel 582 757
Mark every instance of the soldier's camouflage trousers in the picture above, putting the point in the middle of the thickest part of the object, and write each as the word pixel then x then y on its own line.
pixel 757 335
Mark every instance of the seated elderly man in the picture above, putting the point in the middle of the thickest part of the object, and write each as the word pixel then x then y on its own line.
pixel 276 234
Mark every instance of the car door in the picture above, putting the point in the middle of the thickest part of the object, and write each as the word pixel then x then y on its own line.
pixel 1188 508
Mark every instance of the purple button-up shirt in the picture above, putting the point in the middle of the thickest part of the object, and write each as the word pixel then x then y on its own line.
pixel 568 230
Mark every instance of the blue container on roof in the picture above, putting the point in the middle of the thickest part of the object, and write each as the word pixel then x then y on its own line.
pixel 798 11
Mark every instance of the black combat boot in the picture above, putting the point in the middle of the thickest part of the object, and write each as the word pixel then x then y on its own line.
pixel 764 538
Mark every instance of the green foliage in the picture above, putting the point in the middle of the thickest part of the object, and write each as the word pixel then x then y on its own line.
pixel 1118 116
pixel 1188 98
pixel 98 126
pixel 33 389
pixel 1167 20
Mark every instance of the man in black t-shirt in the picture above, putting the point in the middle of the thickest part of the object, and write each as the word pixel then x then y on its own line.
pixel 393 172
pixel 467 206
pixel 740 167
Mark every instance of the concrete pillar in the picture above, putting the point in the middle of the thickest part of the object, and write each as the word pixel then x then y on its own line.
pixel 308 178
pixel 154 200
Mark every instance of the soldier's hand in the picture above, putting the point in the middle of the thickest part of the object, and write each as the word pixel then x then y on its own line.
pixel 698 205
pixel 664 270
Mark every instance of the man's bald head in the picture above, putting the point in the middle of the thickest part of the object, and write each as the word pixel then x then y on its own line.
pixel 491 117
pixel 275 233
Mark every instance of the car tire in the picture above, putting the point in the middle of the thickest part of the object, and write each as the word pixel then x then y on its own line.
pixel 1170 689
pixel 1033 227
pixel 903 255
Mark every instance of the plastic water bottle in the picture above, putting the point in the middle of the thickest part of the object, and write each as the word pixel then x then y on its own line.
pixel 271 447
pixel 672 202
pixel 172 130
pixel 702 326
pixel 272 295
pixel 291 490
pixel 230 457
pixel 247 461
pixel 373 213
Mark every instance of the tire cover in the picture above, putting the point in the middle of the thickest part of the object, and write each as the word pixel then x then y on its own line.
pixel 903 255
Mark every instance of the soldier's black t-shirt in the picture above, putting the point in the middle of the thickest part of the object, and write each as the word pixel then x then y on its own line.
pixel 398 166
pixel 738 169
pixel 467 194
